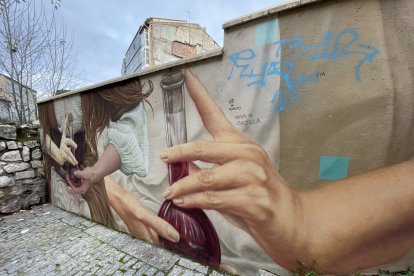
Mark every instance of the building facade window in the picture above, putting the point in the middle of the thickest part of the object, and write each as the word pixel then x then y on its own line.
pixel 145 48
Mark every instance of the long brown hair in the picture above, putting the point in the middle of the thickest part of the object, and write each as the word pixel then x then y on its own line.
pixel 99 107
pixel 47 121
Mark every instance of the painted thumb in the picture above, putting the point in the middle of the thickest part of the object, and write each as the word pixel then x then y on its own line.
pixel 80 174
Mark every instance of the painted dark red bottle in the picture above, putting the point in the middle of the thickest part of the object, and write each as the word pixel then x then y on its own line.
pixel 198 238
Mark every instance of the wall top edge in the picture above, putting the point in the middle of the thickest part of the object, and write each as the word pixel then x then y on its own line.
pixel 176 63
pixel 267 12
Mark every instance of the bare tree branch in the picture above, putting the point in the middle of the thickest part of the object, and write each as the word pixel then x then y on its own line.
pixel 35 53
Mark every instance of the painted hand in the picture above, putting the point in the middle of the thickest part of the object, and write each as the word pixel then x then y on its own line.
pixel 244 186
pixel 87 176
pixel 139 221
pixel 64 152
pixel 108 162
pixel 147 226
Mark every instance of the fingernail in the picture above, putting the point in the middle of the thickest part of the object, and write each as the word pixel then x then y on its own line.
pixel 164 156
pixel 173 234
pixel 167 193
pixel 178 201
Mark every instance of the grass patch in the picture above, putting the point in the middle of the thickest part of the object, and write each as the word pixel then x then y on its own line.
pixel 122 259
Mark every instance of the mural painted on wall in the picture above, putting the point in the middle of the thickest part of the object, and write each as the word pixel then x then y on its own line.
pixel 187 157
pixel 91 135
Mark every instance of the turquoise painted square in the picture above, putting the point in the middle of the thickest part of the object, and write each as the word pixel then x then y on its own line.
pixel 333 167
pixel 267 32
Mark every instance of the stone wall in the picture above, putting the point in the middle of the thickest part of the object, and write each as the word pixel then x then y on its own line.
pixel 22 182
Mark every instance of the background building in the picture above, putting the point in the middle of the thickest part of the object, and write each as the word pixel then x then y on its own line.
pixel 26 101
pixel 161 40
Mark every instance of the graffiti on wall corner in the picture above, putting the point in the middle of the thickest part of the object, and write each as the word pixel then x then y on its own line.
pixel 334 47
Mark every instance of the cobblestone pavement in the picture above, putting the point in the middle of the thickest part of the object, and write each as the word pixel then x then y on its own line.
pixel 49 241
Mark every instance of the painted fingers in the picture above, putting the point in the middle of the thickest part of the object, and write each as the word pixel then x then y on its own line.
pixel 214 152
pixel 156 226
pixel 243 169
pixel 230 187
pixel 211 114
pixel 65 150
pixel 140 222
pixel 66 144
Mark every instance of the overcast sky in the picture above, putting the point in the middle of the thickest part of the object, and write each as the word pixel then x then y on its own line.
pixel 103 29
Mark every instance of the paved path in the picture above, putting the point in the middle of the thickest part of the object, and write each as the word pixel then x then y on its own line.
pixel 49 241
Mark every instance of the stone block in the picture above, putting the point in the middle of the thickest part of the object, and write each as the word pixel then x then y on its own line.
pixel 6 181
pixel 28 130
pixel 19 145
pixel 36 123
pixel 17 190
pixel 34 181
pixel 11 156
pixel 2 146
pixel 16 167
pixel 31 144
pixel 24 175
pixel 37 184
pixel 40 172
pixel 11 205
pixel 8 132
pixel 36 154
pixel 11 145
pixel 26 153
pixel 36 164
pixel 32 199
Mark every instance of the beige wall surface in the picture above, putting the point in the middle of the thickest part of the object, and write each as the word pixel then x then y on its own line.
pixel 360 103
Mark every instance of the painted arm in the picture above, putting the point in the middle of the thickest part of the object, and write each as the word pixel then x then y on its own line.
pixel 139 221
pixel 108 162
pixel 362 221
pixel 355 223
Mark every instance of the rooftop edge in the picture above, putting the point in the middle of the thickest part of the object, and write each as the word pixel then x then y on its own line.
pixel 267 12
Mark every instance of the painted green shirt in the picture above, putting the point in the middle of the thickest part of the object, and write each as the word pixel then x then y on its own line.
pixel 129 136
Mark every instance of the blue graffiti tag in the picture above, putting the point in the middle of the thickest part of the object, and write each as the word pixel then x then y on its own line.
pixel 332 47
